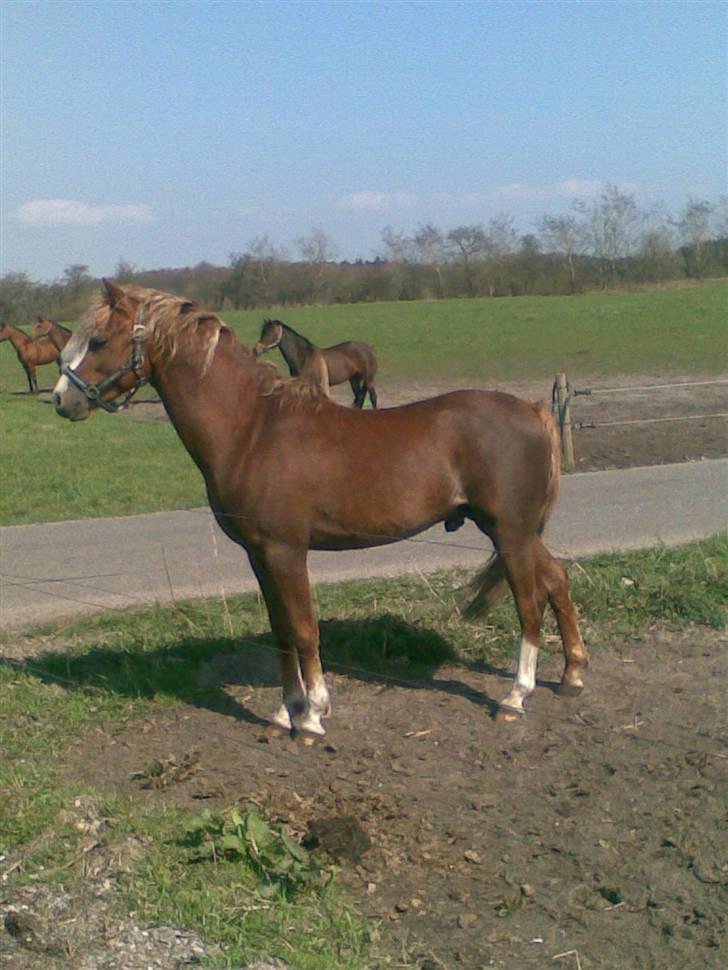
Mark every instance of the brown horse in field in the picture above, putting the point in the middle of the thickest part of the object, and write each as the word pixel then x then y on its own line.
pixel 288 470
pixel 350 361
pixel 55 332
pixel 31 352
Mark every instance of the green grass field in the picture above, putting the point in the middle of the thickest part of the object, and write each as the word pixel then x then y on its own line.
pixel 109 465
pixel 112 672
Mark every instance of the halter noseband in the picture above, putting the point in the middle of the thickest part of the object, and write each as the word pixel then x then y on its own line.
pixel 93 392
pixel 277 339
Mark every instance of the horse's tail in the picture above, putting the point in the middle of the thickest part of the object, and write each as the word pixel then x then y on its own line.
pixel 489 583
pixel 485 588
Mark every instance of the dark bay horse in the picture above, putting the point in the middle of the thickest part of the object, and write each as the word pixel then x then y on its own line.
pixel 288 470
pixel 55 332
pixel 350 361
pixel 31 352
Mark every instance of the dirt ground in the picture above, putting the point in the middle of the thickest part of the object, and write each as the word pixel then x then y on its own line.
pixel 590 834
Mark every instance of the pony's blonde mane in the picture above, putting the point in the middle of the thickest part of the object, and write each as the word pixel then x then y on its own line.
pixel 165 318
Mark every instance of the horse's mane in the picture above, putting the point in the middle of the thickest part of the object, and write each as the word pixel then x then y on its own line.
pixel 290 329
pixel 165 318
pixel 54 323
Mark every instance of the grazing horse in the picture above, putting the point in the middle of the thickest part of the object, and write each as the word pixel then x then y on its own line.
pixel 55 332
pixel 350 361
pixel 288 470
pixel 31 352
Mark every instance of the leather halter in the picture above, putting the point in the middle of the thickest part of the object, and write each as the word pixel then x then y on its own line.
pixel 278 339
pixel 135 363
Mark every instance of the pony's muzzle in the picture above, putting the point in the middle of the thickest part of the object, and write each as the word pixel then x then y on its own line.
pixel 70 403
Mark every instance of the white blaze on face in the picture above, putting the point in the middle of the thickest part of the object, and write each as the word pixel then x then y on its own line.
pixel 71 356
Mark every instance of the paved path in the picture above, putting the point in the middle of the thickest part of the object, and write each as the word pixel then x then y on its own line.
pixel 64 569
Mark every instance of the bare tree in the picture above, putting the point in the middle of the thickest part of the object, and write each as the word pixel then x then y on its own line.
pixel 76 276
pixel 317 250
pixel 559 234
pixel 398 247
pixel 468 242
pixel 611 224
pixel 430 245
pixel 501 237
pixel 693 225
pixel 125 271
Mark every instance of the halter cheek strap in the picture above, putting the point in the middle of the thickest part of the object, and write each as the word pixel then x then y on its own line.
pixel 135 363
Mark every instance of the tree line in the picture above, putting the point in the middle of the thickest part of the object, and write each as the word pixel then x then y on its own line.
pixel 602 243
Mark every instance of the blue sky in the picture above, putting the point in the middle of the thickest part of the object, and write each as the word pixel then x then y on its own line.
pixel 167 133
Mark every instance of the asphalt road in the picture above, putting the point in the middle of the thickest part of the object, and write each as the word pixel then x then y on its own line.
pixel 64 569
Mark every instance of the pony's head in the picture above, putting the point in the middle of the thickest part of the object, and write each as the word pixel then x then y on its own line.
pixel 270 337
pixel 110 356
pixel 41 328
pixel 103 363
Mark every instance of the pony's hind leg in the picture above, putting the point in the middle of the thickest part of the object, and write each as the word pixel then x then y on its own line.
pixel 372 393
pixel 283 577
pixel 559 596
pixel 358 390
pixel 519 562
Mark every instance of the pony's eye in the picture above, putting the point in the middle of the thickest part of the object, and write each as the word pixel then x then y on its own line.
pixel 96 343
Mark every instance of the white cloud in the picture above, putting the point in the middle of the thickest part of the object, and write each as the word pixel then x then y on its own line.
pixel 69 212
pixel 573 188
pixel 377 201
pixel 580 188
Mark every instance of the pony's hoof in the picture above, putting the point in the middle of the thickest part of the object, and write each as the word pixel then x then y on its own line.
pixel 570 690
pixel 275 730
pixel 507 714
pixel 307 738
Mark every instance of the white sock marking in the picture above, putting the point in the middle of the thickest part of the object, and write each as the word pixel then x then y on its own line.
pixel 525 676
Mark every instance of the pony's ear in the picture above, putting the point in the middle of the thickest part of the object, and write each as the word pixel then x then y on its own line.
pixel 187 307
pixel 114 293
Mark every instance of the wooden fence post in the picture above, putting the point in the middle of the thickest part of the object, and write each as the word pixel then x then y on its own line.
pixel 563 400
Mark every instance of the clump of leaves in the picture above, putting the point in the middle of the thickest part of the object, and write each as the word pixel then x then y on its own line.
pixel 282 866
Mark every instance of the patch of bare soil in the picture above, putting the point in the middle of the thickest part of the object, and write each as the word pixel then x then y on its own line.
pixel 592 833
pixel 625 421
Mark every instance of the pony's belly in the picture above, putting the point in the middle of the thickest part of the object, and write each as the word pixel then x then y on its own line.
pixel 334 539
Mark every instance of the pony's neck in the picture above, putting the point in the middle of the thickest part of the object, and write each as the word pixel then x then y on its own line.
pixel 199 405
pixel 295 349
pixel 16 337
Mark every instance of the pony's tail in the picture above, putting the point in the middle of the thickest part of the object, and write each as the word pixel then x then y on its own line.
pixel 489 583
pixel 485 588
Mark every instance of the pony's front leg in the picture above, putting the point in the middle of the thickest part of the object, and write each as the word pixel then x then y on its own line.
pixel 283 577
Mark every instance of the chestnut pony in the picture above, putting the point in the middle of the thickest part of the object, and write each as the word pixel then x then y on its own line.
pixel 32 349
pixel 288 470
pixel 350 361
